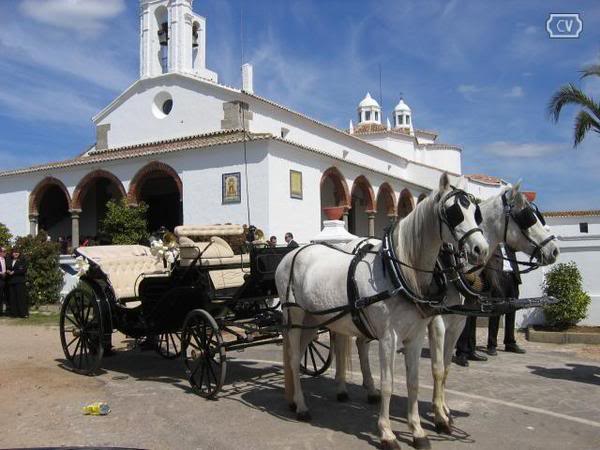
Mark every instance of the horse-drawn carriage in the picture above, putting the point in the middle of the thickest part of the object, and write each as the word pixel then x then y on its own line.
pixel 208 301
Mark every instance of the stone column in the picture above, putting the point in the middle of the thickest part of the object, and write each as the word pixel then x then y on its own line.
pixel 75 227
pixel 371 219
pixel 33 224
pixel 345 216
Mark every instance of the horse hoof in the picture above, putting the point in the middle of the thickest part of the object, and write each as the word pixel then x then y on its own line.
pixel 390 445
pixel 450 420
pixel 342 397
pixel 303 416
pixel 421 443
pixel 443 428
pixel 373 398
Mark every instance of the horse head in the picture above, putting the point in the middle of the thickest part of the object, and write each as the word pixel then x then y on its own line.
pixel 525 228
pixel 460 217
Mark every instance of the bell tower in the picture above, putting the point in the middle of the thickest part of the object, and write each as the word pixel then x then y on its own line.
pixel 172 39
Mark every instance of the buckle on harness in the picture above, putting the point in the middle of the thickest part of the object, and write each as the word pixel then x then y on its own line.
pixel 360 303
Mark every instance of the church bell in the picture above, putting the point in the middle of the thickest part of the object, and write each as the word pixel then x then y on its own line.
pixel 163 34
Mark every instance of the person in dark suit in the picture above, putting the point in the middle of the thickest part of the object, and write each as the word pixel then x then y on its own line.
pixel 466 344
pixel 505 285
pixel 17 292
pixel 3 297
pixel 289 238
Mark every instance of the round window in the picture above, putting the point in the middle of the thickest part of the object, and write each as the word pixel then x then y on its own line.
pixel 162 105
pixel 167 106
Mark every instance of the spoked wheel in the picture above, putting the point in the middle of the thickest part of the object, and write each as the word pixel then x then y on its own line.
pixel 318 355
pixel 168 345
pixel 203 353
pixel 81 331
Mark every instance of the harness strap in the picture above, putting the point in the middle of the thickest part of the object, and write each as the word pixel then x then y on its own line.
pixel 357 313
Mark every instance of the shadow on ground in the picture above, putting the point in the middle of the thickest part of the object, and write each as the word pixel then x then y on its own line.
pixel 573 372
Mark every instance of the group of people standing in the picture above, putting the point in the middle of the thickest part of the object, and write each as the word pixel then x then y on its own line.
pixel 504 284
pixel 13 292
pixel 289 240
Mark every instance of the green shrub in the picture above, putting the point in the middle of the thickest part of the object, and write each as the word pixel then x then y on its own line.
pixel 44 278
pixel 125 224
pixel 5 236
pixel 563 281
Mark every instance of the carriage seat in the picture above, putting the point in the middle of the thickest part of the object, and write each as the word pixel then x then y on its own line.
pixel 125 266
pixel 217 252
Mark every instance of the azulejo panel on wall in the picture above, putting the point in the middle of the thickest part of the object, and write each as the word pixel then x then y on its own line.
pixel 230 185
pixel 296 184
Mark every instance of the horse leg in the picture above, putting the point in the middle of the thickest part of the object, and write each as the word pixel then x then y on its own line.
pixel 454 327
pixel 412 354
pixel 341 346
pixel 296 350
pixel 436 346
pixel 387 354
pixel 362 344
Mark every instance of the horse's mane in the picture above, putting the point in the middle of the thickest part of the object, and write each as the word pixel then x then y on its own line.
pixel 410 241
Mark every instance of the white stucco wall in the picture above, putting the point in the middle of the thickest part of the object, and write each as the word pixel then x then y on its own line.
pixel 14 206
pixel 581 248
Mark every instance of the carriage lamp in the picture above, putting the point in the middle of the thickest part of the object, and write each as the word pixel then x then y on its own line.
pixel 163 34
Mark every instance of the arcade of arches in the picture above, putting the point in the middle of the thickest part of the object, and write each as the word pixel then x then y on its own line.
pixel 363 213
pixel 52 209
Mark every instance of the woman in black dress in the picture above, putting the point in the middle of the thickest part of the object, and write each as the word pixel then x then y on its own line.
pixel 17 292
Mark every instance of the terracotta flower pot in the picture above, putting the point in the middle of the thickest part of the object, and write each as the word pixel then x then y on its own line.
pixel 530 195
pixel 334 212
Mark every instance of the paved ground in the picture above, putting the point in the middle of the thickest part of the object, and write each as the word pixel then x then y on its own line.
pixel 547 399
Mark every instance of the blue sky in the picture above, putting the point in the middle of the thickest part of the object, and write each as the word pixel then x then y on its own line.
pixel 478 72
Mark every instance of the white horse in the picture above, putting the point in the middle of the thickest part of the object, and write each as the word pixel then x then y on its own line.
pixel 535 240
pixel 500 224
pixel 316 280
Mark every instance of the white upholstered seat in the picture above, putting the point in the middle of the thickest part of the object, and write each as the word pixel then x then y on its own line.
pixel 125 266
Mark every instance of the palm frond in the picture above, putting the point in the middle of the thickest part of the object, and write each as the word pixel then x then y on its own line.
pixel 592 69
pixel 571 95
pixel 584 122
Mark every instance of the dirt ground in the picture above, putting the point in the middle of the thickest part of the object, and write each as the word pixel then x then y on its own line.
pixel 153 407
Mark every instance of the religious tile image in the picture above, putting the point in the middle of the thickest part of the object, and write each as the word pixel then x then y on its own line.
pixel 231 187
pixel 295 184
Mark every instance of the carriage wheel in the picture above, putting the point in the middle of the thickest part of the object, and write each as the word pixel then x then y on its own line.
pixel 81 331
pixel 318 355
pixel 168 345
pixel 203 353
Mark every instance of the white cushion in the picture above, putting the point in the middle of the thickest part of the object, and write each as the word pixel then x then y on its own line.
pixel 208 230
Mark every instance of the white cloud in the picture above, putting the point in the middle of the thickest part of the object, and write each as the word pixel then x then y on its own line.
pixel 98 65
pixel 525 150
pixel 515 92
pixel 85 16
pixel 46 105
pixel 469 91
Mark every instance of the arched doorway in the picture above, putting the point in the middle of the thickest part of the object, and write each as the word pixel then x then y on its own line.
pixel 49 205
pixel 334 191
pixel 91 195
pixel 405 204
pixel 362 208
pixel 159 186
pixel 386 208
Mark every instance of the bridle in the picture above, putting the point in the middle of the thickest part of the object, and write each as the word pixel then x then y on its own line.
pixel 452 216
pixel 525 219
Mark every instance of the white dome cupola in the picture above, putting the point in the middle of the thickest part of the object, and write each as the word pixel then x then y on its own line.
pixel 403 116
pixel 369 110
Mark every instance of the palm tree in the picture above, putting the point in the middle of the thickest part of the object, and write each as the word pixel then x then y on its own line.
pixel 589 117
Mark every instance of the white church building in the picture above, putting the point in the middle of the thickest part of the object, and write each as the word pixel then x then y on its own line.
pixel 199 152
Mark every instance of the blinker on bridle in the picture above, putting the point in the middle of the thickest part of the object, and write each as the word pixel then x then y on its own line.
pixel 453 216
pixel 525 219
